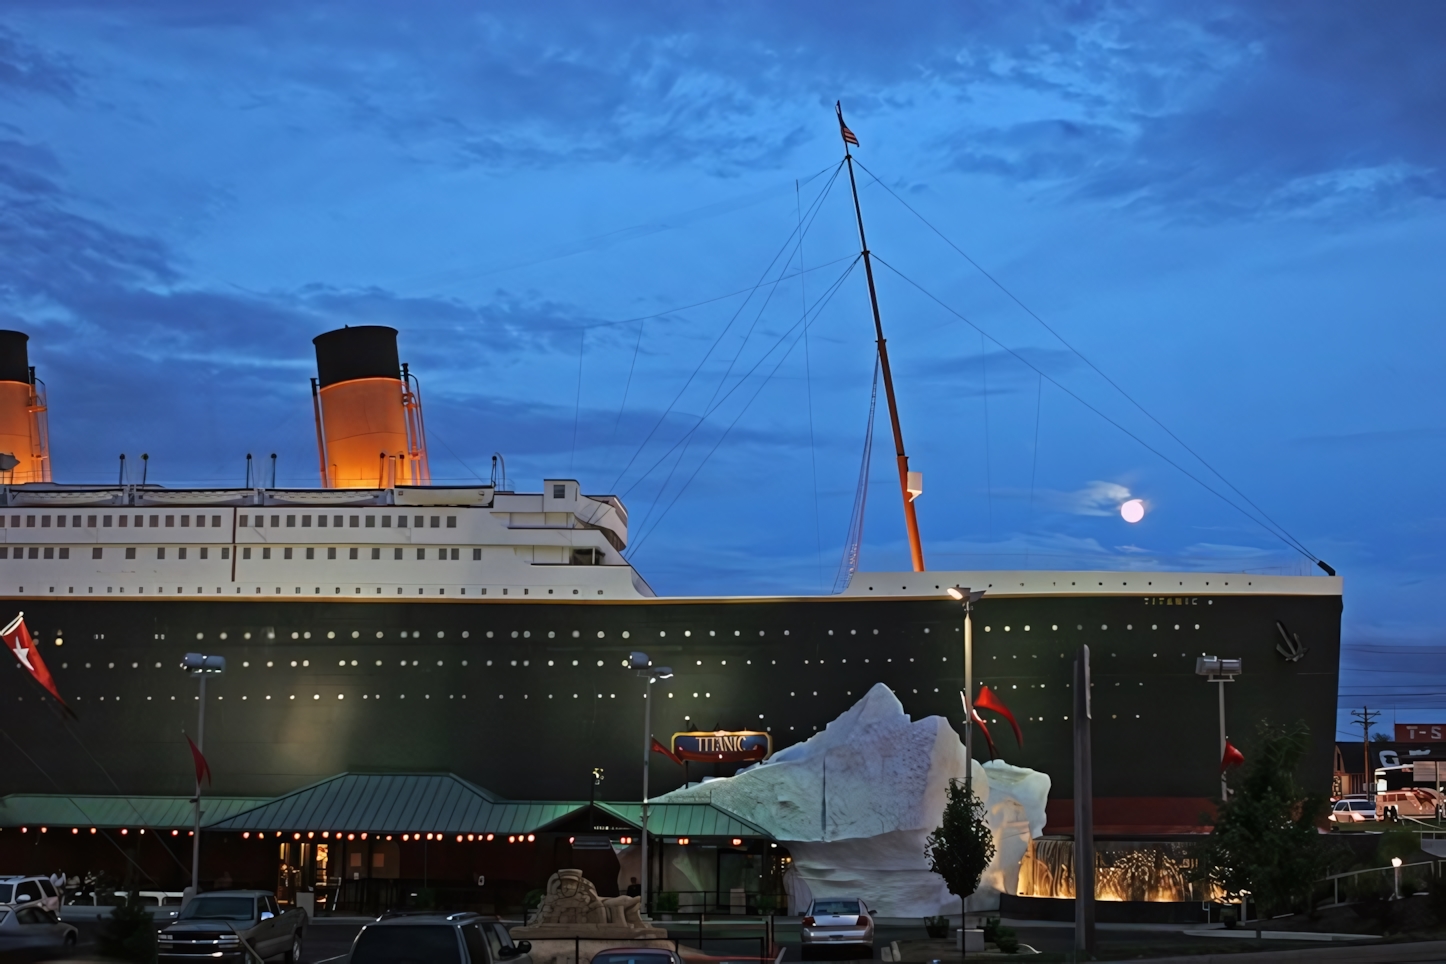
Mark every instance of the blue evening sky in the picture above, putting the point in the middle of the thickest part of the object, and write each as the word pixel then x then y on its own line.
pixel 1234 211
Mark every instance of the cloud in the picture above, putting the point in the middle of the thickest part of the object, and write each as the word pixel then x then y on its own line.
pixel 1096 499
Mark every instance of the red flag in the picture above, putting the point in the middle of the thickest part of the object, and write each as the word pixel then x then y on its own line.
pixel 1231 758
pixel 18 641
pixel 203 769
pixel 659 748
pixel 988 701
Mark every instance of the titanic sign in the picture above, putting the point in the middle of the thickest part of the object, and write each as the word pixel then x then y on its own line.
pixel 723 746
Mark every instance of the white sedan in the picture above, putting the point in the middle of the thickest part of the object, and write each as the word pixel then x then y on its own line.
pixel 31 926
pixel 837 920
pixel 1353 810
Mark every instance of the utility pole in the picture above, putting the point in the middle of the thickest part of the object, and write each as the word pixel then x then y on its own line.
pixel 1365 717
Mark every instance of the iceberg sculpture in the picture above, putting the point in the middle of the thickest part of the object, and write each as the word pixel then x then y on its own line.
pixel 854 803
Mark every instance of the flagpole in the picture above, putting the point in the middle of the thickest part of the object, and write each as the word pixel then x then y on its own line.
pixel 196 831
pixel 911 522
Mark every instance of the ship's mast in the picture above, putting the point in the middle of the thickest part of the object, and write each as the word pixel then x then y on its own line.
pixel 911 522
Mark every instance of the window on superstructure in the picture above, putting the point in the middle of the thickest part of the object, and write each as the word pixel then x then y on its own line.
pixel 321 521
pixel 355 521
pixel 421 553
pixel 455 554
pixel 401 522
pixel 49 552
pixel 130 553
pixel 336 521
pixel 105 524
pixel 306 522
pixel 386 522
pixel 215 521
pixel 181 553
pixel 352 553
pixel 396 553
pixel 170 521
pixel 476 555
pixel 155 521
pixel 245 519
pixel 64 552
pixel 225 552
pixel 45 522
pixel 265 552
pixel 559 490
pixel 286 553
pixel 95 553
pixel 310 552
pixel 275 521
pixel 75 521
pixel 30 522
pixel 436 522
pixel 451 522
pixel 291 521
pixel 89 521
pixel 376 553
pixel 186 521
pixel 5 552
pixel 245 552
pixel 371 521
pixel 417 522
pixel 60 521
pixel 331 550
pixel 34 553
pixel 161 553
pixel 205 553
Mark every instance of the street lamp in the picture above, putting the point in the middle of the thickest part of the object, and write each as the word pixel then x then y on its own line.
pixel 1222 671
pixel 200 666
pixel 643 668
pixel 968 597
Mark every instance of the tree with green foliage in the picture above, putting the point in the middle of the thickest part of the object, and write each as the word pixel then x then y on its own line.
pixel 962 847
pixel 129 933
pixel 1265 840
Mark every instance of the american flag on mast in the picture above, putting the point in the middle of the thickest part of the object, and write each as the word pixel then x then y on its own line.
pixel 18 641
pixel 843 129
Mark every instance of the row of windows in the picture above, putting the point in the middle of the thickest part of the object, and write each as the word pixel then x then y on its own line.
pixel 106 521
pixel 63 552
pixel 287 552
pixel 417 521
pixel 587 556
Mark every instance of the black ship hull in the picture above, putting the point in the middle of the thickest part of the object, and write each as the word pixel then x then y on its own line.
pixel 525 699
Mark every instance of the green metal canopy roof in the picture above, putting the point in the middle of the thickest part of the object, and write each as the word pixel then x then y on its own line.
pixel 395 803
pixel 71 810
pixel 686 820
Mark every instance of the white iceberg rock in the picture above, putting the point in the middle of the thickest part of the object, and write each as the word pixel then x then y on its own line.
pixel 854 805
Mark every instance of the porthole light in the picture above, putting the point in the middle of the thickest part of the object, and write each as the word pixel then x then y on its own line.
pixel 330 634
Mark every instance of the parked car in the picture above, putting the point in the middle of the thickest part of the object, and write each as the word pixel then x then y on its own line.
pixel 33 926
pixel 837 920
pixel 1410 802
pixel 1353 810
pixel 93 905
pixel 215 926
pixel 637 955
pixel 24 889
pixel 438 938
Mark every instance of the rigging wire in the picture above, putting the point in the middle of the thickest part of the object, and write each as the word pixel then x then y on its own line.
pixel 823 300
pixel 805 321
pixel 854 538
pixel 627 384
pixel 722 334
pixel 1275 528
pixel 817 204
pixel 1169 461
pixel 808 387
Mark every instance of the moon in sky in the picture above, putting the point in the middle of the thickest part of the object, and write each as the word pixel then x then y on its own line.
pixel 1133 510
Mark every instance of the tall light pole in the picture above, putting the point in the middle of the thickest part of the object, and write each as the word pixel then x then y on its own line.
pixel 968 597
pixel 1221 671
pixel 642 666
pixel 200 666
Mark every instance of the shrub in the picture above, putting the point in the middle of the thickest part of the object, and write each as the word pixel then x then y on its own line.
pixel 667 902
pixel 1398 843
pixel 129 933
pixel 936 926
pixel 991 930
pixel 1007 941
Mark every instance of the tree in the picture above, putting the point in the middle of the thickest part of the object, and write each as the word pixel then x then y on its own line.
pixel 1265 840
pixel 959 850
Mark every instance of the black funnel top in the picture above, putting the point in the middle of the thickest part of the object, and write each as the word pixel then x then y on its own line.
pixel 366 351
pixel 14 358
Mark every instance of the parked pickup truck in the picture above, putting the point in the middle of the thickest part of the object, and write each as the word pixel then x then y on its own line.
pixel 90 905
pixel 223 924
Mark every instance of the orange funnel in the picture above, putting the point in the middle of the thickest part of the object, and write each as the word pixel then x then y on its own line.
pixel 368 412
pixel 24 433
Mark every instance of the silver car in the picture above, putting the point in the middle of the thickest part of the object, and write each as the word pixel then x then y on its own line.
pixel 837 920
pixel 32 926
